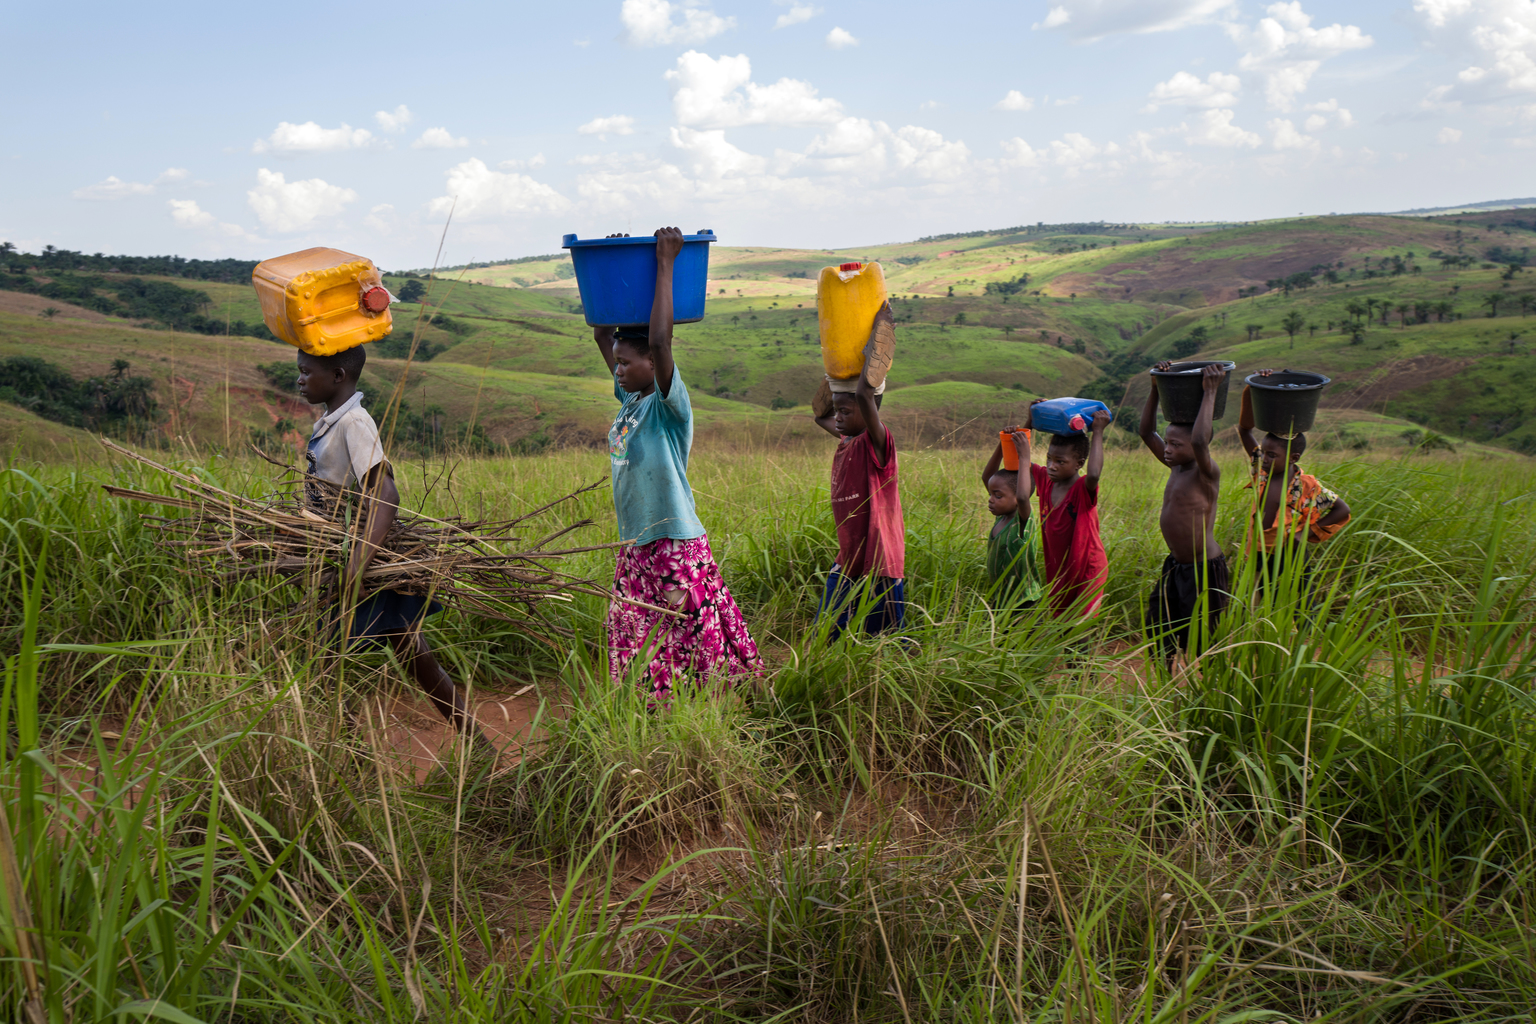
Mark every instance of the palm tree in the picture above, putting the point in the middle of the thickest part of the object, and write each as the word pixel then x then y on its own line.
pixel 1291 323
pixel 1402 314
pixel 1491 301
pixel 1527 300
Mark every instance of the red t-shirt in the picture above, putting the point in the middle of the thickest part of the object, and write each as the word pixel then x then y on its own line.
pixel 1075 563
pixel 866 505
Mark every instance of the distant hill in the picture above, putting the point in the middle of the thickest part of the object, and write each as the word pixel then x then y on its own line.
pixel 987 320
pixel 1492 204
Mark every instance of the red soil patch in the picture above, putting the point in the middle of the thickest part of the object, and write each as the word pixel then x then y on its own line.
pixel 1394 379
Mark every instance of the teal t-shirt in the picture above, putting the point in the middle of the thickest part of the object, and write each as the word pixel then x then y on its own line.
pixel 648 445
pixel 1012 561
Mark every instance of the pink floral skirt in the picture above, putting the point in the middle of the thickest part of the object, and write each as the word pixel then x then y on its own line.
pixel 709 639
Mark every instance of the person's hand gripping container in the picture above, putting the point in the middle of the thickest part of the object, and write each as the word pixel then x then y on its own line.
pixel 323 301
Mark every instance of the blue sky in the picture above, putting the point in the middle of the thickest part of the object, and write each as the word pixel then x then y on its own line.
pixel 244 130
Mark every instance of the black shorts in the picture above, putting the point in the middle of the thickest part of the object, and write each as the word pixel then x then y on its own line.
pixel 1171 607
pixel 383 614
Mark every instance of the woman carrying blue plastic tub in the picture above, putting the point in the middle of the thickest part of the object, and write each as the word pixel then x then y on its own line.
pixel 668 564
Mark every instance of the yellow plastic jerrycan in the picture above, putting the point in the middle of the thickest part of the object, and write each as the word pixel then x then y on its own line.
pixel 323 301
pixel 847 299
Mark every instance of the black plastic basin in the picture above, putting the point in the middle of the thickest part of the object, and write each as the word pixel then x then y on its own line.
pixel 1285 402
pixel 1179 389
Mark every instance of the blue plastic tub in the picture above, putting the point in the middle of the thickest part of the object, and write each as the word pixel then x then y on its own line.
pixel 617 278
pixel 1057 415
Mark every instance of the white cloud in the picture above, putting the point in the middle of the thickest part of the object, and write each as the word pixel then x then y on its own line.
pixel 484 194
pixel 660 23
pixel 1018 153
pixel 1014 100
pixel 1326 112
pixel 869 150
pixel 113 187
pixel 1498 40
pixel 840 38
pixel 1087 20
pixel 602 127
pixel 1448 136
pixel 708 93
pixel 1070 101
pixel 796 14
pixel 439 138
pixel 929 105
pixel 292 139
pixel 381 218
pixel 1184 89
pixel 1286 51
pixel 713 157
pixel 1285 136
pixel 1215 128
pixel 393 121
pixel 187 214
pixel 283 206
pixel 537 160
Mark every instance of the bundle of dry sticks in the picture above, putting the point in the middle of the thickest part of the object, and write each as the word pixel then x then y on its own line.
pixel 488 568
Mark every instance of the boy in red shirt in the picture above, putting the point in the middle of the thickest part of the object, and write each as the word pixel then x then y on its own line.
pixel 1068 485
pixel 866 499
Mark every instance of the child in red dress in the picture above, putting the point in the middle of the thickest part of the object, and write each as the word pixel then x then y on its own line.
pixel 1076 567
pixel 866 497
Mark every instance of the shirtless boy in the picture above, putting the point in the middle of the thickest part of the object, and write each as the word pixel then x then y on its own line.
pixel 1195 566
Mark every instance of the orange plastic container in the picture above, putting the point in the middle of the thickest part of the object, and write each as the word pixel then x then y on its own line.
pixel 847 299
pixel 323 301
pixel 1010 453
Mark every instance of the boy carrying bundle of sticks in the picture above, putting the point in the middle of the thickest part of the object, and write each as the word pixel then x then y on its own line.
pixel 345 450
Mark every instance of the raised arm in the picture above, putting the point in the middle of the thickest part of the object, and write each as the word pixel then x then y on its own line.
pixel 991 467
pixel 1245 419
pixel 604 338
pixel 1024 488
pixel 1148 428
pixel 823 411
pixel 1095 467
pixel 669 242
pixel 1200 434
pixel 865 394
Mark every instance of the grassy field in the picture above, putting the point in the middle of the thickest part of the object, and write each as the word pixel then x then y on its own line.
pixel 1328 817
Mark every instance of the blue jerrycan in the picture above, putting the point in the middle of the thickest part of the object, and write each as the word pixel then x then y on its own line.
pixel 1066 415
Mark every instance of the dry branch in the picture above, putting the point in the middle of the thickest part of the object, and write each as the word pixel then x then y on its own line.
pixel 487 567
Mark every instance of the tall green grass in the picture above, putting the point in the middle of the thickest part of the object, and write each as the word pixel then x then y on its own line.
pixel 994 816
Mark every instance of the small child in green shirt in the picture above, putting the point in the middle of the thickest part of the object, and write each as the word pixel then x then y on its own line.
pixel 1013 545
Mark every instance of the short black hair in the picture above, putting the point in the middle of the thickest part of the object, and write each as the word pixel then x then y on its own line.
pixel 637 338
pixel 1077 442
pixel 351 361
pixel 1009 475
pixel 1297 444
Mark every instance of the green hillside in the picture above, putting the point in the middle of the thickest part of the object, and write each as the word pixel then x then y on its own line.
pixel 987 320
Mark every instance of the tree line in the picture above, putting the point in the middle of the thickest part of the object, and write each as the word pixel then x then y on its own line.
pixel 116 403
pixel 55 260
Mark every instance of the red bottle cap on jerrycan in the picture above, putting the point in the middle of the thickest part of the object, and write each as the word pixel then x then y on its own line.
pixel 1077 422
pixel 375 300
pixel 851 266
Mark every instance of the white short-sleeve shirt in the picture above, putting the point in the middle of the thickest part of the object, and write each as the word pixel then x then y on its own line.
pixel 345 445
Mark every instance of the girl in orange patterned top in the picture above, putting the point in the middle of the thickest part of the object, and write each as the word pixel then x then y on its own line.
pixel 1294 508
